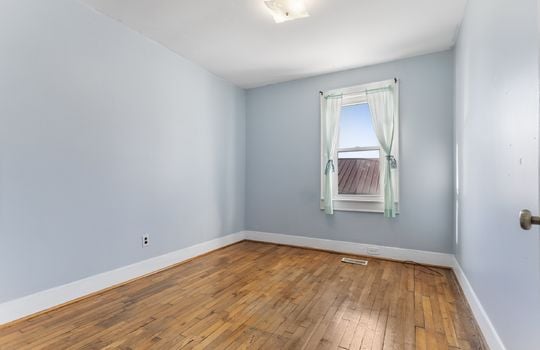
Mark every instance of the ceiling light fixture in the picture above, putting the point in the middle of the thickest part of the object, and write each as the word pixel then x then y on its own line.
pixel 287 10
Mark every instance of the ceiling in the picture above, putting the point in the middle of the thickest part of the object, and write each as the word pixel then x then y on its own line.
pixel 239 41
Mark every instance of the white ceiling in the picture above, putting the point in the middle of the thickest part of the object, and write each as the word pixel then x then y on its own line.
pixel 239 41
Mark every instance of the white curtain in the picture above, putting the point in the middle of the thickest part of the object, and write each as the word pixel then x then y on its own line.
pixel 382 105
pixel 330 111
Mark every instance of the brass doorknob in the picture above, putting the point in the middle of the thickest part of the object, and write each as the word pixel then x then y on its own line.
pixel 526 219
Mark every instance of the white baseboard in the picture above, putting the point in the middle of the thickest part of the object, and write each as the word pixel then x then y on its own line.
pixel 489 331
pixel 420 256
pixel 40 301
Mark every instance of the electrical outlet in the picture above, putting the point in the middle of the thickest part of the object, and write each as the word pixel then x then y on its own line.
pixel 373 251
pixel 145 240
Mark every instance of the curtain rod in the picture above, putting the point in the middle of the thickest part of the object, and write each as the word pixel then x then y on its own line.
pixel 395 81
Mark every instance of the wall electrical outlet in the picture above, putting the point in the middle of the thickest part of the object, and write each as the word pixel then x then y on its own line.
pixel 145 240
pixel 373 251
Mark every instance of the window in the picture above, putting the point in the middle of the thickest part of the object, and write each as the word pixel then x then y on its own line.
pixel 358 152
pixel 357 180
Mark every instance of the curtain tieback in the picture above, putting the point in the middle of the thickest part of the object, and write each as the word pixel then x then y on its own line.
pixel 392 161
pixel 329 165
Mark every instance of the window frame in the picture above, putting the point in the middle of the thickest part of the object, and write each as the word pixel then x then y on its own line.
pixel 360 202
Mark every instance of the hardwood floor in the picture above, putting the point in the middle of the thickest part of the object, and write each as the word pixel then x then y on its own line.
pixel 256 295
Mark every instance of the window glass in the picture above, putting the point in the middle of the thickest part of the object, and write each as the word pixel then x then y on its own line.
pixel 358 170
pixel 356 129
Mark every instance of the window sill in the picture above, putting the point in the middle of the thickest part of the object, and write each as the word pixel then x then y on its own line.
pixel 366 206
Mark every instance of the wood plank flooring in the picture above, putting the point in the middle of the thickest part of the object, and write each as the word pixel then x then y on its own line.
pixel 264 296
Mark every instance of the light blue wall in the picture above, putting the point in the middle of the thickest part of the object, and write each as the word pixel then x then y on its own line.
pixel 283 158
pixel 105 135
pixel 497 132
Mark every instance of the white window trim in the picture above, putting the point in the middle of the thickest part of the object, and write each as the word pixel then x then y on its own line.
pixel 362 203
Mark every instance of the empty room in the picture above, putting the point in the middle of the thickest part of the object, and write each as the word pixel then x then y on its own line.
pixel 270 174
